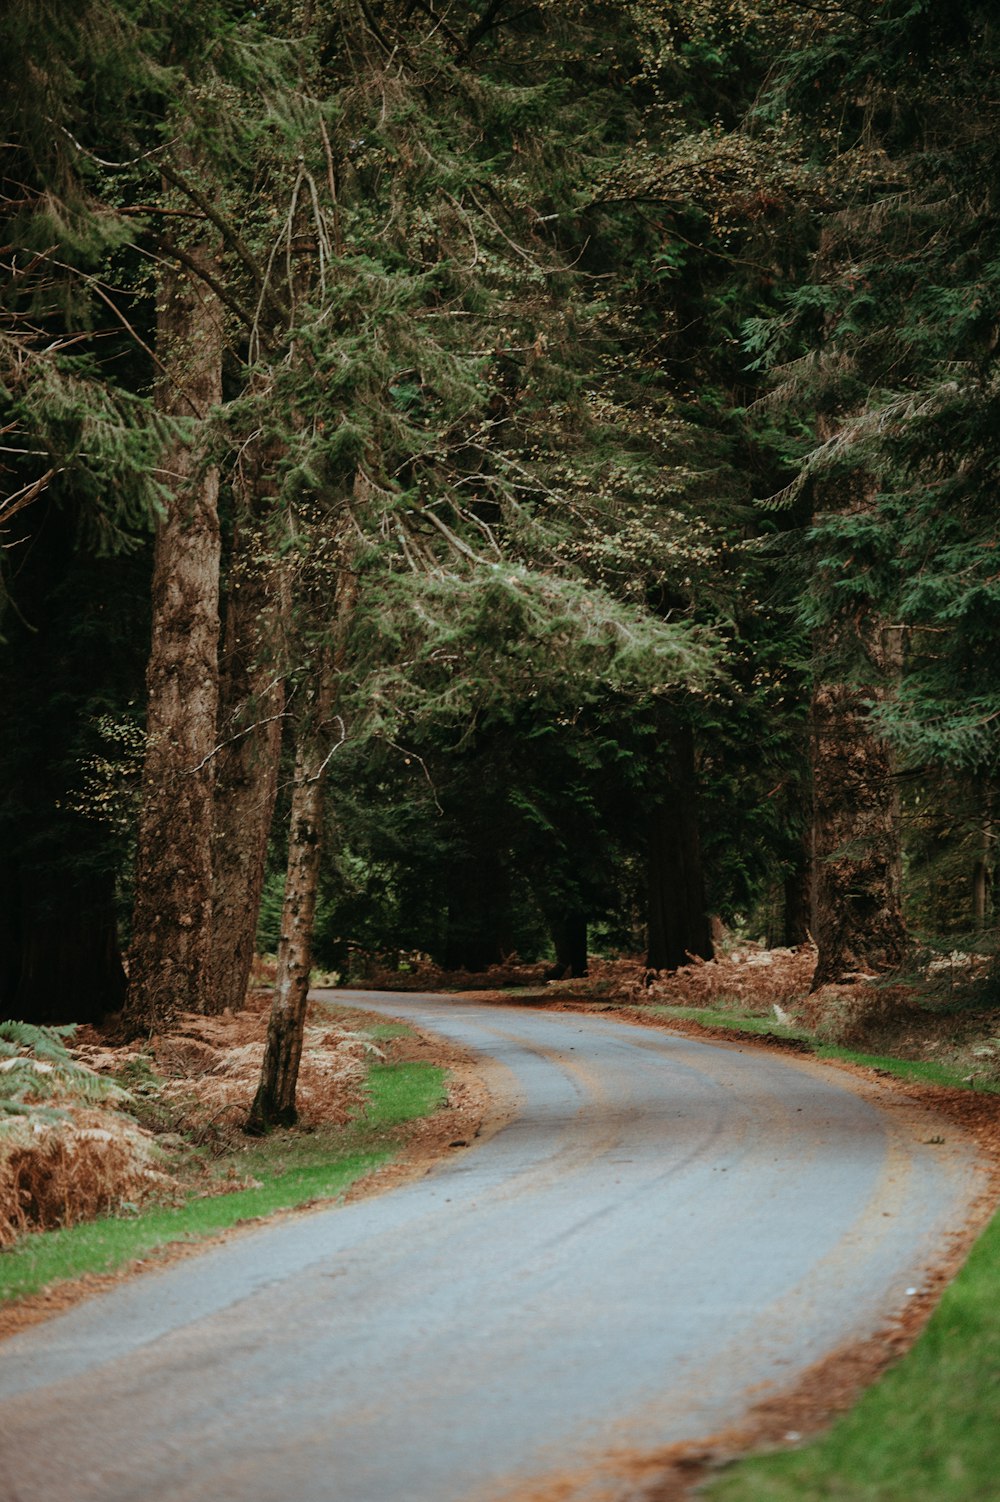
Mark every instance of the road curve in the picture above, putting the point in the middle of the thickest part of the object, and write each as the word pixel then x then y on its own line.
pixel 663 1226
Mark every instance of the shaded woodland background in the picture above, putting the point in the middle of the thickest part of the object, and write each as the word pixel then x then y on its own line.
pixel 488 476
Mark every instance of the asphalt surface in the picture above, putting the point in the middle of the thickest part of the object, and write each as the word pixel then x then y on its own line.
pixel 664 1227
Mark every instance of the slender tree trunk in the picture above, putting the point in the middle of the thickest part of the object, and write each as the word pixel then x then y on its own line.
pixel 274 1103
pixel 797 891
pixel 332 579
pixel 171 948
pixel 857 912
pixel 679 925
pixel 251 706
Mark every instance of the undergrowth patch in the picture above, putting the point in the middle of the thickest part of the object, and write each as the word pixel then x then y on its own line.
pixel 278 1172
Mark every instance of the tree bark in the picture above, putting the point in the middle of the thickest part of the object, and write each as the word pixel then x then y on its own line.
pixel 982 871
pixel 857 913
pixel 171 943
pixel 251 714
pixel 569 937
pixel 679 925
pixel 274 1102
pixel 797 891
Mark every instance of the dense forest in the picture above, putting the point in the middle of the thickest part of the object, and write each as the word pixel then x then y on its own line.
pixel 482 477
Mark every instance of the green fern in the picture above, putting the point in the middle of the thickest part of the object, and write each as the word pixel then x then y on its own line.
pixel 35 1064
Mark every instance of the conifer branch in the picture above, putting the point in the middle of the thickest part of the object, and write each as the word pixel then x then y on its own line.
pixel 231 236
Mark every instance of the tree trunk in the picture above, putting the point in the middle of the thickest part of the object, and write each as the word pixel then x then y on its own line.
pixel 857 913
pixel 797 891
pixel 569 936
pixel 982 872
pixel 251 705
pixel 479 926
pixel 274 1103
pixel 679 924
pixel 171 943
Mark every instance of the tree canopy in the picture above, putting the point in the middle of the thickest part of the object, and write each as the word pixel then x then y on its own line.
pixel 583 419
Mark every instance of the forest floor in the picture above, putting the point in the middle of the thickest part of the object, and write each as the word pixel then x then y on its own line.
pixel 943 1019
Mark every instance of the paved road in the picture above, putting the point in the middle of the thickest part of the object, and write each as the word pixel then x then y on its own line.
pixel 663 1226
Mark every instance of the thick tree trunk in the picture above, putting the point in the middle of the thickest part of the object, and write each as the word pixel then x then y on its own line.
pixel 171 931
pixel 274 1103
pixel 857 914
pixel 251 705
pixel 679 925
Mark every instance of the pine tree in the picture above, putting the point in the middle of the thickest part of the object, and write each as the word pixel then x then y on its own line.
pixel 80 445
pixel 889 338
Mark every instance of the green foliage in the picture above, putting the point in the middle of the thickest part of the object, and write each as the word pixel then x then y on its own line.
pixel 290 1170
pixel 525 307
pixel 888 339
pixel 36 1066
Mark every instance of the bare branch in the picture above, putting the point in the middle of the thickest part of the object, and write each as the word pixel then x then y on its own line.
pixel 317 775
pixel 24 497
pixel 232 739
pixel 118 166
pixel 456 542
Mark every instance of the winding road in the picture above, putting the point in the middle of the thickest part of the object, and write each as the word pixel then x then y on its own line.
pixel 663 1226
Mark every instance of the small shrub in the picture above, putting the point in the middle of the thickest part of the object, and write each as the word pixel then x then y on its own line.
pixel 867 1019
pixel 65 1152
pixel 58 1172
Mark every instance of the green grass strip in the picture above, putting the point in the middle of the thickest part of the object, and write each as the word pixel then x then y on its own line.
pixel 293 1167
pixel 743 1022
pixel 924 1070
pixel 926 1432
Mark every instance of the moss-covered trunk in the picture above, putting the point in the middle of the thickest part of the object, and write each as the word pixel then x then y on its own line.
pixel 171 929
pixel 274 1103
pixel 857 912
pixel 251 714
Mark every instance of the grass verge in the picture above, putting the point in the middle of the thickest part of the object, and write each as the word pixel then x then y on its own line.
pixel 288 1169
pixel 925 1071
pixel 926 1432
